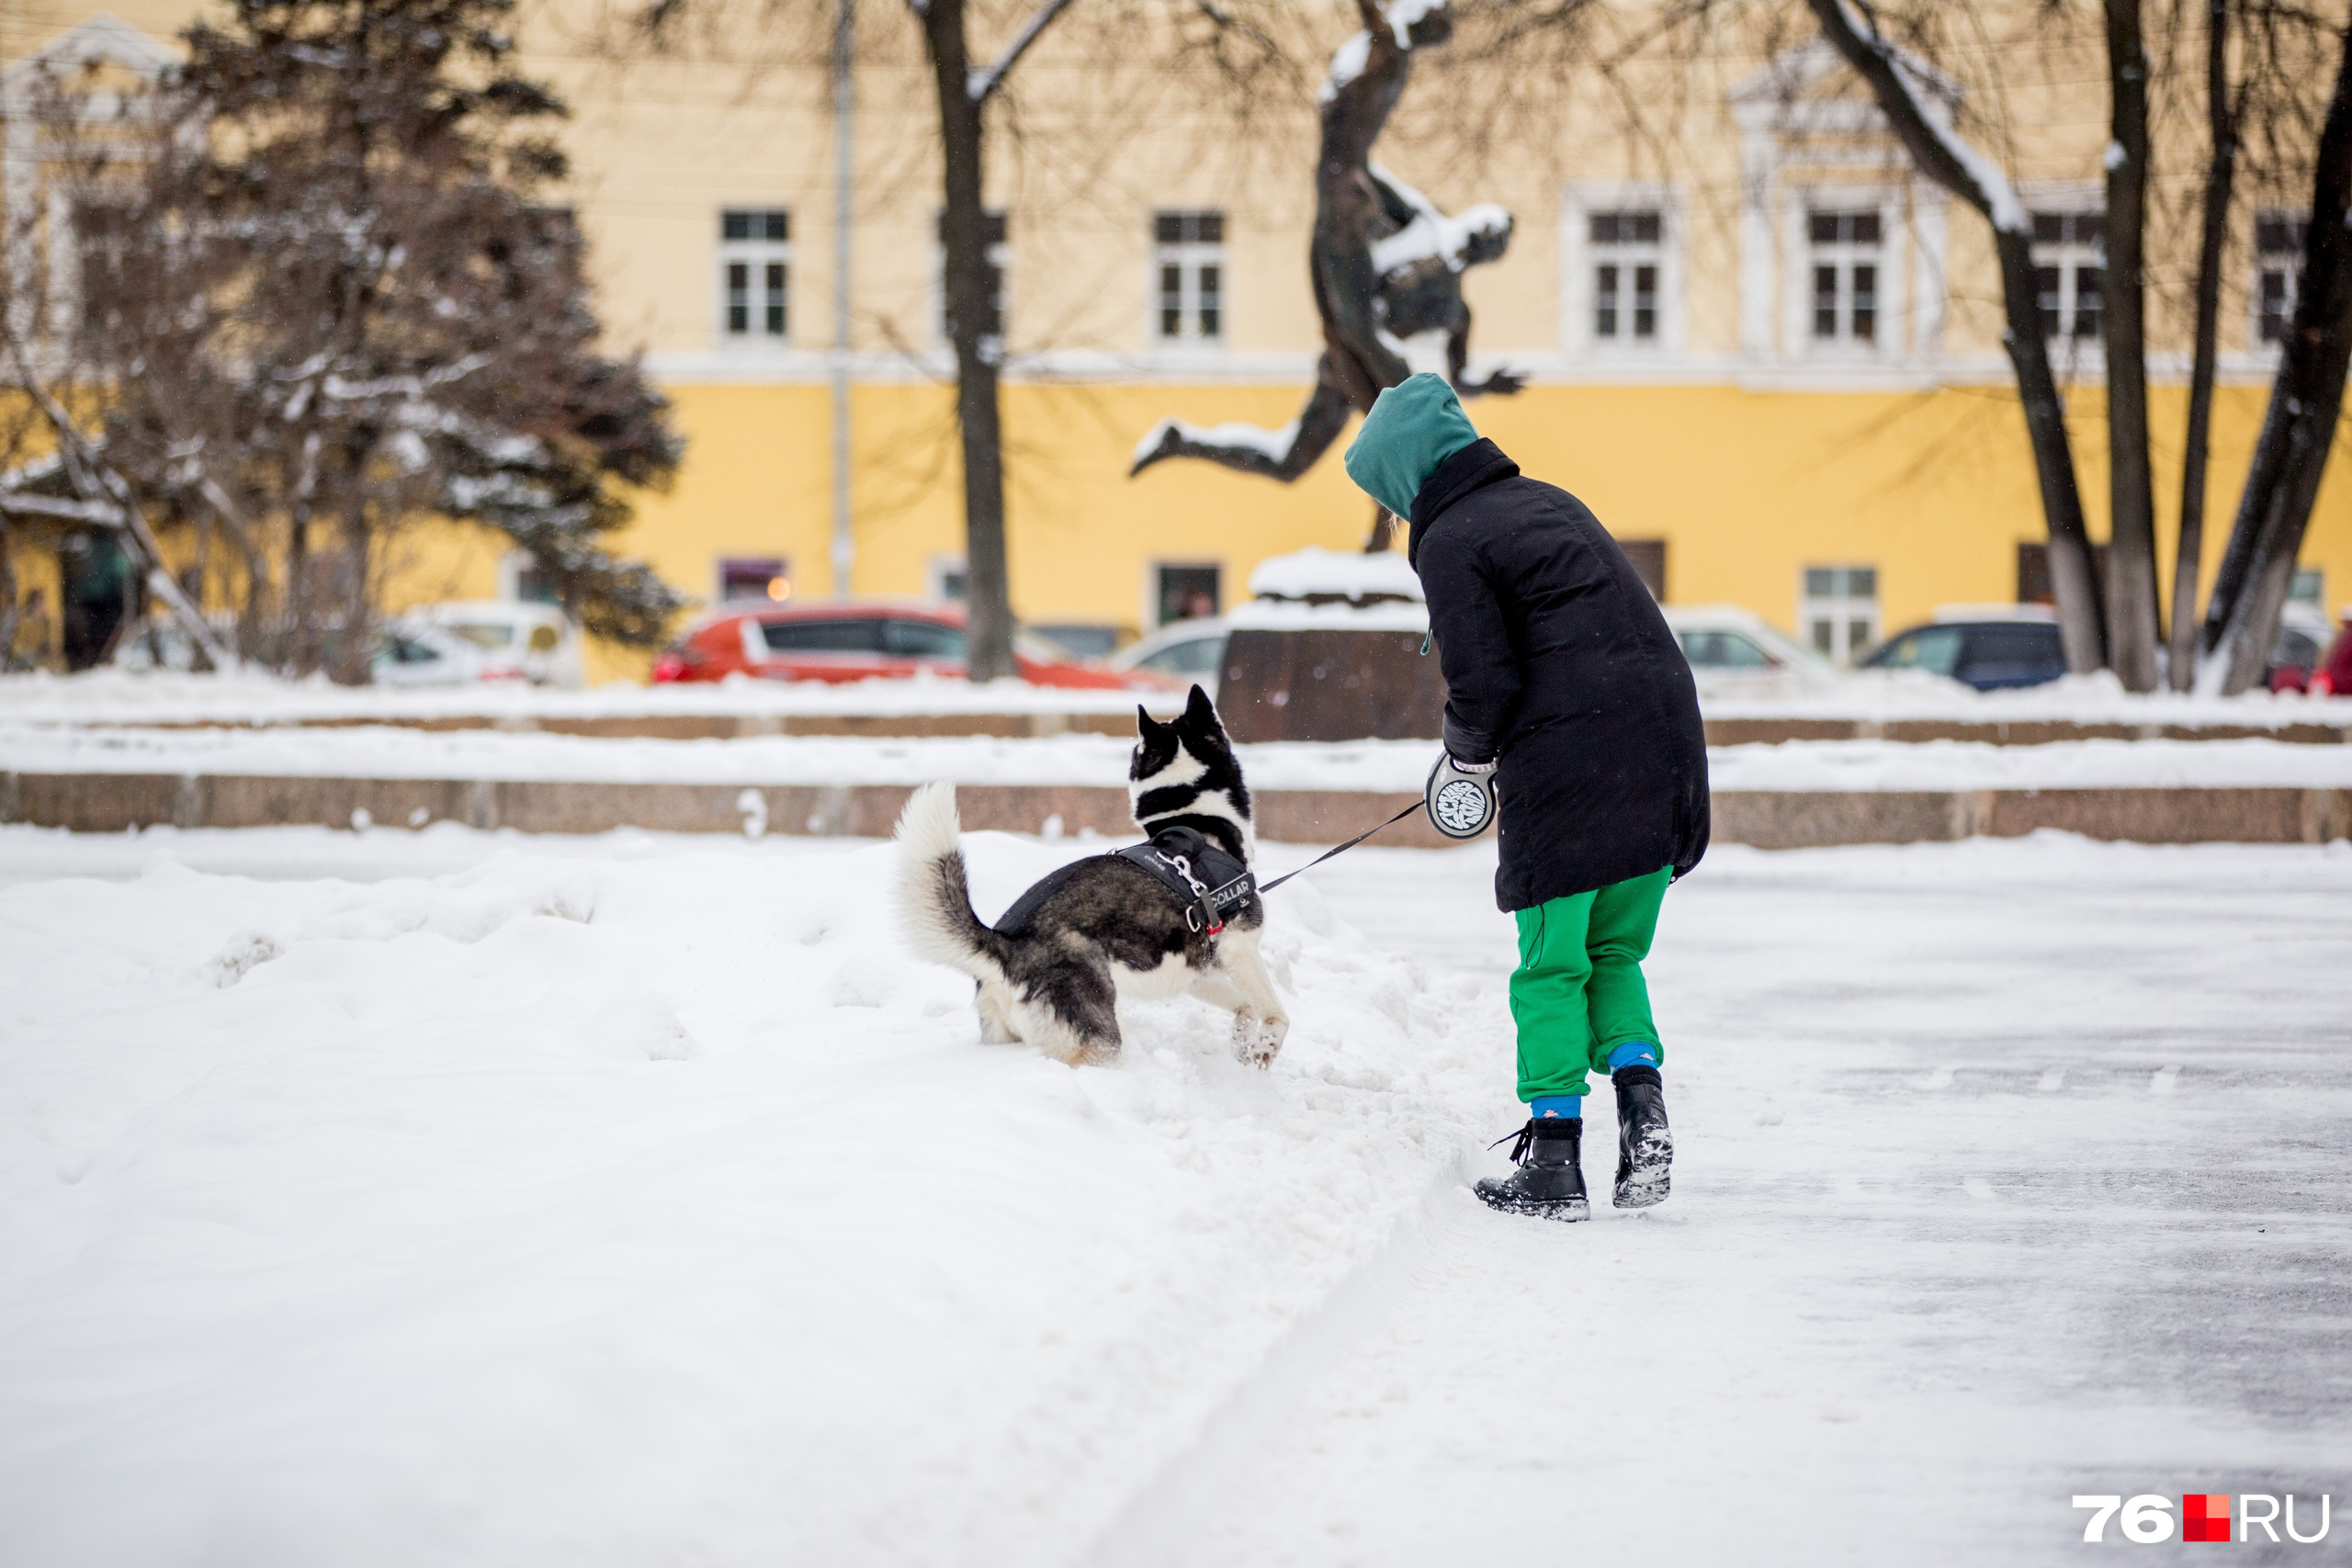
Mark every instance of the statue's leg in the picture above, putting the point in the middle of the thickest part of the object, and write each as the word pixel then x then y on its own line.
pixel 1282 454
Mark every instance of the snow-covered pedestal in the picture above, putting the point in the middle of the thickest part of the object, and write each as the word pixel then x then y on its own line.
pixel 1331 649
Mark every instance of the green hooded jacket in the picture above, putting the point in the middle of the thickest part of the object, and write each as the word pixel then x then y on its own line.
pixel 1413 427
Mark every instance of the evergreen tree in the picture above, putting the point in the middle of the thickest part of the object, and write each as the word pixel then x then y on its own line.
pixel 327 298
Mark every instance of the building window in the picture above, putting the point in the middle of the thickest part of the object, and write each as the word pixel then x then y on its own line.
pixel 2308 586
pixel 755 577
pixel 1000 262
pixel 1628 262
pixel 2069 272
pixel 2278 272
pixel 1188 262
pixel 1845 258
pixel 754 273
pixel 2034 586
pixel 535 584
pixel 1839 610
pixel 1648 559
pixel 1187 592
pixel 950 577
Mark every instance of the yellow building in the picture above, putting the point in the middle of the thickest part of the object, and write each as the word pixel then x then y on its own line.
pixel 1753 343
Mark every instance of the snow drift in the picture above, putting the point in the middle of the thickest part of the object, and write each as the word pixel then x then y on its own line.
pixel 517 1215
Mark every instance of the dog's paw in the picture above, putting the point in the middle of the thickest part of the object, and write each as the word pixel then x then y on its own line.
pixel 1258 1041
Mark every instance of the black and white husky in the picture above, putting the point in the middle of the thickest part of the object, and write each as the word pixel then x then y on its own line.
pixel 1052 970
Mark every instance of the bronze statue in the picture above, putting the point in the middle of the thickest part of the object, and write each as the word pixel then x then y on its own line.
pixel 1386 264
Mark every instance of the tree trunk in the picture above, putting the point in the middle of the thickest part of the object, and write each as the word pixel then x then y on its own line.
pixel 9 612
pixel 352 662
pixel 2298 427
pixel 2132 529
pixel 300 656
pixel 964 231
pixel 253 621
pixel 1937 153
pixel 2073 566
pixel 2220 176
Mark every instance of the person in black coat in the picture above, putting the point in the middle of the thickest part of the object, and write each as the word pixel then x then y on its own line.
pixel 1568 695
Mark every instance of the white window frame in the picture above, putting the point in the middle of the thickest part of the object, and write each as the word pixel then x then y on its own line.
pixel 783 572
pixel 938 570
pixel 1151 571
pixel 1580 258
pixel 1189 257
pixel 1000 257
pixel 756 255
pixel 2289 263
pixel 1841 610
pixel 513 565
pixel 1791 139
pixel 2069 355
pixel 1891 323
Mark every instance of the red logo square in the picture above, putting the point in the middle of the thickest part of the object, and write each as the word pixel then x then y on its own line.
pixel 2205 1516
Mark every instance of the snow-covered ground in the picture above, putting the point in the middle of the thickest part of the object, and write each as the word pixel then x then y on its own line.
pixel 115 697
pixel 378 751
pixel 472 1199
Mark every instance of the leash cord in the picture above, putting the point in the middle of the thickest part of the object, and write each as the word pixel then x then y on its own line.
pixel 1351 843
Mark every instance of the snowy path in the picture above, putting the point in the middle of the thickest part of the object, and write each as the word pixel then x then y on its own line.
pixel 387 1198
pixel 2006 1173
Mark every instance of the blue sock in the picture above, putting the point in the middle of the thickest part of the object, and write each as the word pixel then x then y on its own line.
pixel 1568 1105
pixel 1634 1053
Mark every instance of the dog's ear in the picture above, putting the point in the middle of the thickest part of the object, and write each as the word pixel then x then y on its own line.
pixel 1200 713
pixel 1146 726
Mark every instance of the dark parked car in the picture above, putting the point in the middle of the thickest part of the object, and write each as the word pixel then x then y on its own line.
pixel 1992 654
pixel 1989 654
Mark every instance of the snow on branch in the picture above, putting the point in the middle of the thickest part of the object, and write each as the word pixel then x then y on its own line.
pixel 1920 120
pixel 103 513
pixel 985 80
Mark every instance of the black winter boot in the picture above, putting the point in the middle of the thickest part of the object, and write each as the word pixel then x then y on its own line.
pixel 1549 1182
pixel 1645 1143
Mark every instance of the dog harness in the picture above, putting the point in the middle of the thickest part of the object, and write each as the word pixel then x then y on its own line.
pixel 1190 865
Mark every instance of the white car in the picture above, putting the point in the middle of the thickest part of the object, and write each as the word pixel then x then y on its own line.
pixel 1183 650
pixel 1733 653
pixel 537 639
pixel 417 653
pixel 1737 653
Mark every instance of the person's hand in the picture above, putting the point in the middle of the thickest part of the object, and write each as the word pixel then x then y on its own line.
pixel 1499 384
pixel 1459 796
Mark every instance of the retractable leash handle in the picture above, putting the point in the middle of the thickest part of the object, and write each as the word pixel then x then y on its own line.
pixel 1461 797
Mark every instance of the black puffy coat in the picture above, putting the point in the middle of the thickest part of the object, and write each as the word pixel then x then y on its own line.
pixel 1557 661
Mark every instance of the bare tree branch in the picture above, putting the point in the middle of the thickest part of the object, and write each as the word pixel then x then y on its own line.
pixel 985 81
pixel 1942 153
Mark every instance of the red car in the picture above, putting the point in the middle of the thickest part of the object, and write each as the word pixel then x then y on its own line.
pixel 849 640
pixel 2334 676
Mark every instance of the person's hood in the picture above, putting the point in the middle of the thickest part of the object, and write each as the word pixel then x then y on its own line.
pixel 1413 427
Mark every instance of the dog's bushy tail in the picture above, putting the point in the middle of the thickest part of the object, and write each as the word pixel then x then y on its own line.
pixel 934 898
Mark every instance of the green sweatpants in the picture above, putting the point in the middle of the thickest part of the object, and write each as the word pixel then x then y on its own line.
pixel 1577 994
